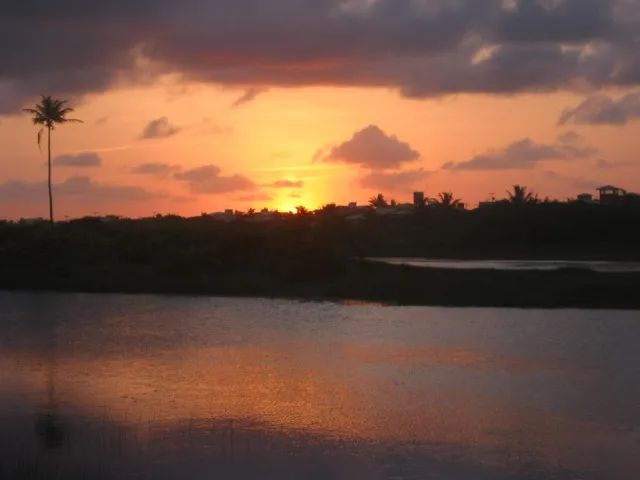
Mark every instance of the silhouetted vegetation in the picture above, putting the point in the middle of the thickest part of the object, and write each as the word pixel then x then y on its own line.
pixel 321 254
pixel 378 201
pixel 447 200
pixel 49 113
pixel 521 196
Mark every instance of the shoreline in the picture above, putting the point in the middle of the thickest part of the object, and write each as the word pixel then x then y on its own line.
pixel 363 281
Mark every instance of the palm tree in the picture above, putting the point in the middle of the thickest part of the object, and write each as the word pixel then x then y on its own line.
pixel 378 201
pixel 521 196
pixel 446 199
pixel 49 113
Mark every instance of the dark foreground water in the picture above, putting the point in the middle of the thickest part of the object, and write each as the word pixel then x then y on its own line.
pixel 144 387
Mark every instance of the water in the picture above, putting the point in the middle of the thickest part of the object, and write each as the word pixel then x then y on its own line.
pixel 150 387
pixel 542 265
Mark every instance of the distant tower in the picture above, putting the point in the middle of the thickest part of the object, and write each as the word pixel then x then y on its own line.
pixel 418 199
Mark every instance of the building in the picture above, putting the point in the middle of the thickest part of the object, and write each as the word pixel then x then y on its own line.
pixel 610 195
pixel 585 198
pixel 418 199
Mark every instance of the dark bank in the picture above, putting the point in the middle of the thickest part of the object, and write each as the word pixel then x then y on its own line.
pixel 323 255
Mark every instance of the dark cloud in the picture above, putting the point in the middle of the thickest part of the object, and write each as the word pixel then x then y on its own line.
pixel 374 149
pixel 394 181
pixel 601 109
pixel 207 180
pixel 79 188
pixel 523 154
pixel 286 184
pixel 159 128
pixel 421 48
pixel 248 96
pixel 567 21
pixel 86 159
pixel 155 169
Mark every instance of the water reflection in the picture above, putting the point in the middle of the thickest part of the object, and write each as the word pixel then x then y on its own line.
pixel 160 387
pixel 510 265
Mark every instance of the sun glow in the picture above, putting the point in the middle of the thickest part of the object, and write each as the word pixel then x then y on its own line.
pixel 275 139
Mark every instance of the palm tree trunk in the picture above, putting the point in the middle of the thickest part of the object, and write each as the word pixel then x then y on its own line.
pixel 49 167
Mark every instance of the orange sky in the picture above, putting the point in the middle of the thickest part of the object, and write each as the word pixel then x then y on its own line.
pixel 274 137
pixel 205 105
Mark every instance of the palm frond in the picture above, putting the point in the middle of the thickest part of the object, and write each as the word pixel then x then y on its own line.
pixel 40 138
pixel 48 113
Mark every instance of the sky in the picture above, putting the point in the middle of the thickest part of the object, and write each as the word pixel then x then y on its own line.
pixel 206 105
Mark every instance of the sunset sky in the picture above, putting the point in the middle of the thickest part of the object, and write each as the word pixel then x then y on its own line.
pixel 203 105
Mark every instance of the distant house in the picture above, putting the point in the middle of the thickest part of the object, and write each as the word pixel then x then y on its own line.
pixel 585 198
pixel 225 216
pixel 418 199
pixel 610 195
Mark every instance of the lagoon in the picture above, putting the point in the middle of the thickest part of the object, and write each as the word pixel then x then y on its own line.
pixel 515 265
pixel 169 387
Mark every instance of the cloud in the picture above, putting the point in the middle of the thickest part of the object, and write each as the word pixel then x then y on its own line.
pixel 523 154
pixel 570 138
pixel 419 48
pixel 209 126
pixel 86 159
pixel 248 96
pixel 394 181
pixel 207 180
pixel 607 165
pixel 372 148
pixel 286 184
pixel 601 109
pixel 604 164
pixel 159 128
pixel 571 181
pixel 155 169
pixel 80 188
